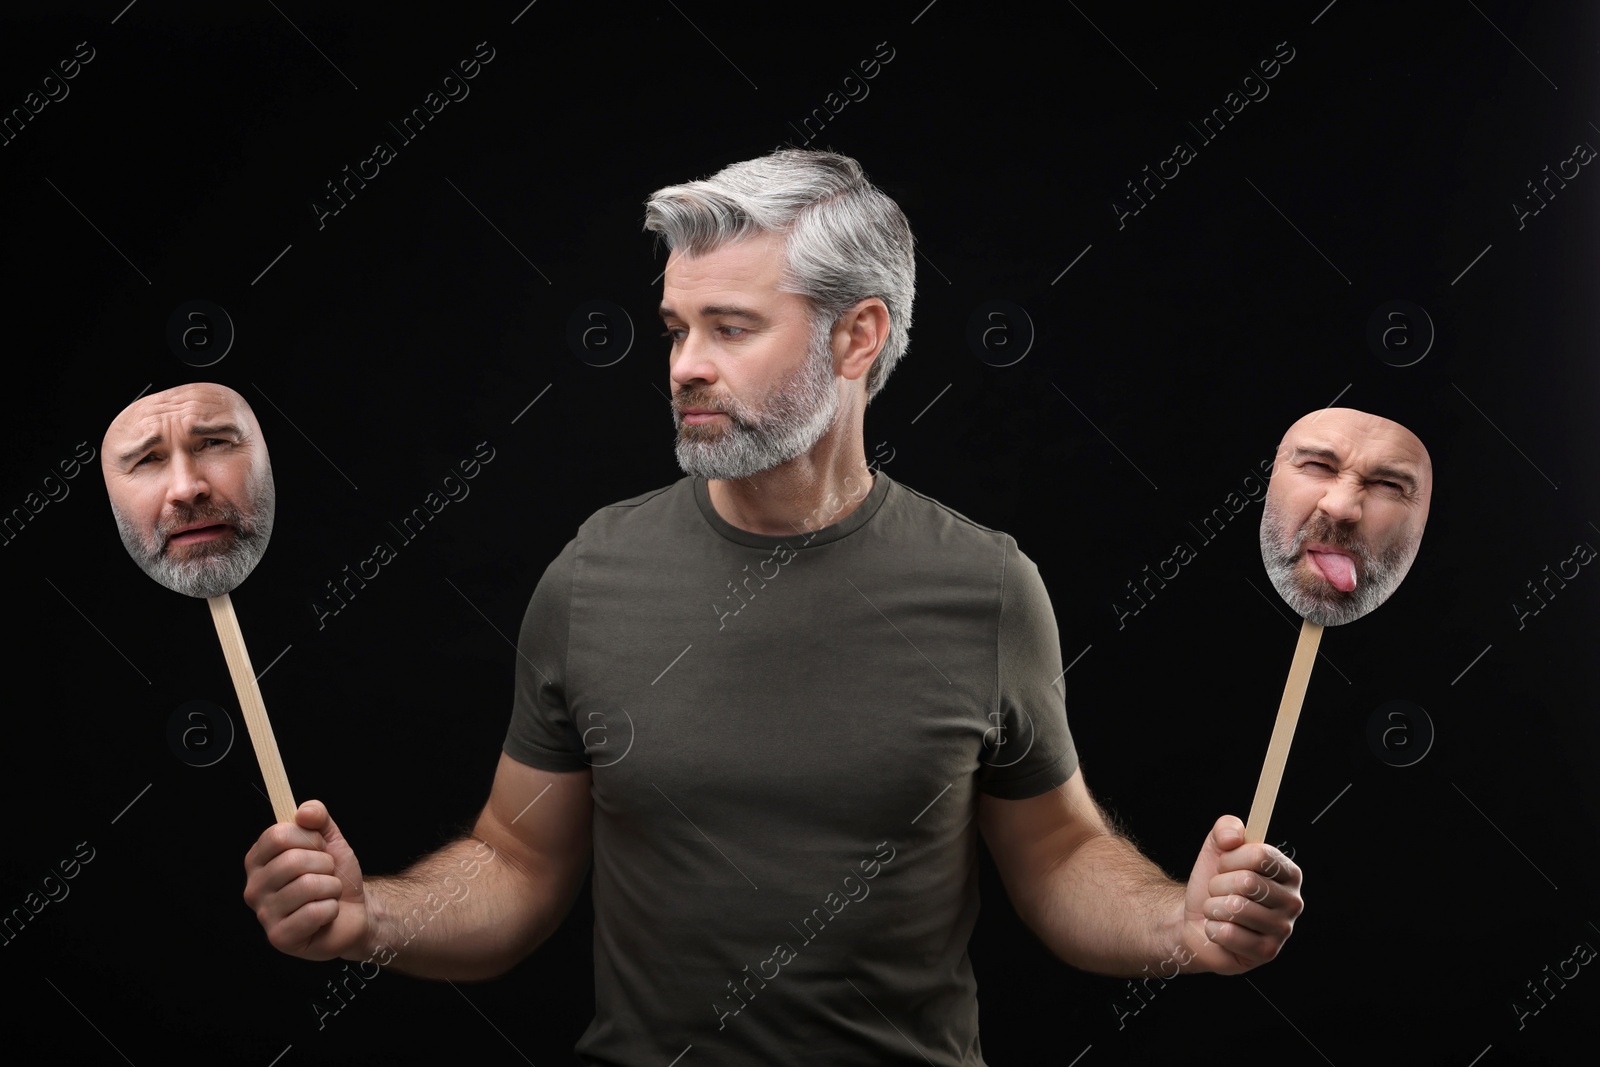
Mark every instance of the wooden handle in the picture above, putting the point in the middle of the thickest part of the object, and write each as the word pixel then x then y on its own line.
pixel 1294 695
pixel 254 709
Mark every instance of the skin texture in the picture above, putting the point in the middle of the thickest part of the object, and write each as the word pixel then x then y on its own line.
pixel 1348 484
pixel 191 487
pixel 740 345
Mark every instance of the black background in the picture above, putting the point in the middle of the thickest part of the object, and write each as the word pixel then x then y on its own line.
pixel 382 346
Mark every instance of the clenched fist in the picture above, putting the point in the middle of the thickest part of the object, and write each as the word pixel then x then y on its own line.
pixel 304 884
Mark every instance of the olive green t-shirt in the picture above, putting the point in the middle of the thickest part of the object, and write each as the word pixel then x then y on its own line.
pixel 788 737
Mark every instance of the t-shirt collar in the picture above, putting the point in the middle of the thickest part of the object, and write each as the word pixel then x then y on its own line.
pixel 822 532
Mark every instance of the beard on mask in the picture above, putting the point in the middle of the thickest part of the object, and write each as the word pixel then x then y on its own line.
pixel 209 568
pixel 1312 596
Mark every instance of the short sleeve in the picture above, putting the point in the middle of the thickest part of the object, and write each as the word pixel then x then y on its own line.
pixel 1029 750
pixel 541 733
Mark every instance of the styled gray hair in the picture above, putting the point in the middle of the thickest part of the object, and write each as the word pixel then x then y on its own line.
pixel 845 240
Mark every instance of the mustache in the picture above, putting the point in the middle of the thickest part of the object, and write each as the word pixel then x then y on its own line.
pixel 706 400
pixel 1372 565
pixel 185 514
pixel 1320 529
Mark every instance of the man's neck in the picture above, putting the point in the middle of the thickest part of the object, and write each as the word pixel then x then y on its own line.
pixel 808 493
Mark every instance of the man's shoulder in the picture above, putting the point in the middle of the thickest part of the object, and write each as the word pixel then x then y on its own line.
pixel 658 497
pixel 650 509
pixel 940 520
pixel 915 499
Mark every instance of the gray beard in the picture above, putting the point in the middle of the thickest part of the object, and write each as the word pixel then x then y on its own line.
pixel 786 423
pixel 214 574
pixel 1377 576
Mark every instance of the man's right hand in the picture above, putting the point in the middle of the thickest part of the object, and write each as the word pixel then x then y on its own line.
pixel 470 910
pixel 304 884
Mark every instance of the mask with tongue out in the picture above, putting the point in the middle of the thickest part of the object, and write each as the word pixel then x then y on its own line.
pixel 1344 513
pixel 1327 573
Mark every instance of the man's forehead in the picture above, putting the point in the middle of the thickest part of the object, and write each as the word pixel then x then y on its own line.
pixel 758 258
pixel 1358 437
pixel 190 405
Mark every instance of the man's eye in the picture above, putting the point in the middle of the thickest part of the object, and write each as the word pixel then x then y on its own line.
pixel 673 334
pixel 732 331
pixel 1317 465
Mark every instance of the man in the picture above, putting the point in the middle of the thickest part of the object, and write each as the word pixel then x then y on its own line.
pixel 191 487
pixel 783 792
pixel 1344 514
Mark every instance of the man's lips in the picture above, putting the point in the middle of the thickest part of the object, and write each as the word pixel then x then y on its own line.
pixel 1335 565
pixel 199 533
pixel 696 416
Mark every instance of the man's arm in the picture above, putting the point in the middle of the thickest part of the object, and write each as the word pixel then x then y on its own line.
pixel 471 910
pixel 1099 904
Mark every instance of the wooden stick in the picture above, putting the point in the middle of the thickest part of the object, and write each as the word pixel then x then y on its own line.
pixel 1294 695
pixel 254 709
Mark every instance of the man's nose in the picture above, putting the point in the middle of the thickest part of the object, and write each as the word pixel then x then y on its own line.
pixel 692 362
pixel 188 482
pixel 1342 501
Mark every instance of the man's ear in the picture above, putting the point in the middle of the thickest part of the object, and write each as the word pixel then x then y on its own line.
pixel 858 336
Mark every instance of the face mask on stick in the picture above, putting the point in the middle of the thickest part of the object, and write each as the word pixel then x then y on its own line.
pixel 1344 515
pixel 191 489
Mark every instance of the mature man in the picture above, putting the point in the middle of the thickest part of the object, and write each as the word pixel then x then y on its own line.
pixel 191 487
pixel 1344 514
pixel 783 792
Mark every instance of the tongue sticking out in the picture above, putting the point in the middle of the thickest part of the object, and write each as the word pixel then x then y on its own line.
pixel 1338 568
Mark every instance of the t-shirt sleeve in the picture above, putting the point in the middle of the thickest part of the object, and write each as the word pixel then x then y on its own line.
pixel 1029 749
pixel 542 733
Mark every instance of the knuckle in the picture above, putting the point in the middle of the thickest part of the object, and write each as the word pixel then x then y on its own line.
pixel 307 882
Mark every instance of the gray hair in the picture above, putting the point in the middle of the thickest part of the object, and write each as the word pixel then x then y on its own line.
pixel 845 240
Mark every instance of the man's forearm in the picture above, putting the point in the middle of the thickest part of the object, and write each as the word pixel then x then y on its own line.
pixel 1098 904
pixel 465 912
pixel 1108 909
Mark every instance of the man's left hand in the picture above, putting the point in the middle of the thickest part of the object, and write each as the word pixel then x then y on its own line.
pixel 1240 904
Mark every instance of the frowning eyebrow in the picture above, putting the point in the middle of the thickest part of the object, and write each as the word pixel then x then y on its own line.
pixel 1405 478
pixel 1316 453
pixel 140 449
pixel 222 429
pixel 1393 474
